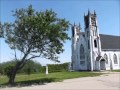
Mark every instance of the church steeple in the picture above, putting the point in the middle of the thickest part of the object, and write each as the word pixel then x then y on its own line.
pixel 88 12
pixel 74 23
pixel 80 27
pixel 86 19
pixel 90 19
pixel 94 12
pixel 92 34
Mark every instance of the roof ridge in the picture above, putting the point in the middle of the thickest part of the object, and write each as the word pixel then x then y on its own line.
pixel 110 35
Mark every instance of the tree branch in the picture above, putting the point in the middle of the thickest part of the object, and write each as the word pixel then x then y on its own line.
pixel 34 56
pixel 23 59
pixel 15 55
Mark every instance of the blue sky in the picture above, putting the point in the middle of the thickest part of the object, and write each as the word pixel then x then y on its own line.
pixel 108 12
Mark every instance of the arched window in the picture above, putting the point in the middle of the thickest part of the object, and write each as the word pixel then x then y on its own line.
pixel 106 58
pixel 82 52
pixel 95 43
pixel 115 59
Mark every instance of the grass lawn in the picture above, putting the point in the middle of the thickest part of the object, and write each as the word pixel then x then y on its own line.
pixel 41 78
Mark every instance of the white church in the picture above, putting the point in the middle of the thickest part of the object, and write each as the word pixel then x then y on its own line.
pixel 91 50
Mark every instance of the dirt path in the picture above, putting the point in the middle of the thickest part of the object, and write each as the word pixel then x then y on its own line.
pixel 104 82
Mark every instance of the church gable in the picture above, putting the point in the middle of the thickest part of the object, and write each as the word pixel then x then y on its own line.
pixel 81 40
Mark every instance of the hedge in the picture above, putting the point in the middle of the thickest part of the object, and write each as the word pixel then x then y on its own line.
pixel 58 67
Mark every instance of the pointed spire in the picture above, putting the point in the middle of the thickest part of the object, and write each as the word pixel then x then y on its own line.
pixel 94 12
pixel 88 11
pixel 79 26
pixel 74 23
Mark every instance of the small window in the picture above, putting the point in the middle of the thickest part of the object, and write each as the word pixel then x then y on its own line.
pixel 93 33
pixel 82 52
pixel 106 58
pixel 72 31
pixel 95 43
pixel 115 59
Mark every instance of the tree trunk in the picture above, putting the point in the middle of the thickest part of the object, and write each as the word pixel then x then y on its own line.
pixel 13 73
pixel 18 66
pixel 12 78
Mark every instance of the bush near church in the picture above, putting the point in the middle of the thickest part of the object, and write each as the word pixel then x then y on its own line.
pixel 58 67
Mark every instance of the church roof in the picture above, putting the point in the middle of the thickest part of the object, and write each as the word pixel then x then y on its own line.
pixel 110 42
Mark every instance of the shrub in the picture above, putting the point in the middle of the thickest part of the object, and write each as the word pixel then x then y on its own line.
pixel 58 67
pixel 43 69
pixel 8 70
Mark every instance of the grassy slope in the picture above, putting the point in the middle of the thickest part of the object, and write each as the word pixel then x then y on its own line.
pixel 51 77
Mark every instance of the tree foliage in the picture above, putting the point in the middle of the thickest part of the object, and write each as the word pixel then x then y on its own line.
pixel 35 34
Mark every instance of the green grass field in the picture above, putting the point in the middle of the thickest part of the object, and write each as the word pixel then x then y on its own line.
pixel 42 78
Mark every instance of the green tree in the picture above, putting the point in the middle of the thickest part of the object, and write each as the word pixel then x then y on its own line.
pixel 35 34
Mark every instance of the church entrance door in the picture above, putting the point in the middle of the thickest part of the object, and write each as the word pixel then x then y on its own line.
pixel 102 64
